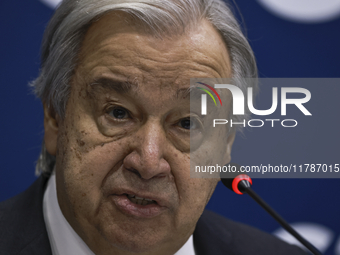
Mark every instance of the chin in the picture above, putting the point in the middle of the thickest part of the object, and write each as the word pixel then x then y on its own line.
pixel 136 246
pixel 136 241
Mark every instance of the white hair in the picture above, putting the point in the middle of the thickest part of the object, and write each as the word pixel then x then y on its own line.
pixel 65 32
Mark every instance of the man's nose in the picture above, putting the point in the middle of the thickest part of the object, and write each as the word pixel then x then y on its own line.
pixel 148 151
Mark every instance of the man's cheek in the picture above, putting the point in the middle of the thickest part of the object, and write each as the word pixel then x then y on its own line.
pixel 202 191
pixel 95 166
pixel 92 150
pixel 82 175
pixel 193 198
pixel 84 197
pixel 89 169
pixel 195 193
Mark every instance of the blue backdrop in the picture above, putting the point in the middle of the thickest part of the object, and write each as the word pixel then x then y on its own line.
pixel 283 48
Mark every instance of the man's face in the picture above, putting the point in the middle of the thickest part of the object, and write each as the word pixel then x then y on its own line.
pixel 126 133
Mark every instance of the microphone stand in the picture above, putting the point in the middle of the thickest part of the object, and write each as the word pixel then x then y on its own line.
pixel 245 187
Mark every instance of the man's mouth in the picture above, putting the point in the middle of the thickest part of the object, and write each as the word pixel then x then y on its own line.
pixel 140 200
pixel 136 206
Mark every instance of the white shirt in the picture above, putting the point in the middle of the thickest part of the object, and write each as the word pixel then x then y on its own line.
pixel 63 239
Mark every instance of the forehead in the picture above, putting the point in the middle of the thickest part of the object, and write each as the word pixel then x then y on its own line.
pixel 116 45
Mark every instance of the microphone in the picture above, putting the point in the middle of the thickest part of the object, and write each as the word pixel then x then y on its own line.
pixel 241 183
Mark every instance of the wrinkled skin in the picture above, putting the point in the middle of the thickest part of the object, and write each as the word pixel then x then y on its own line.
pixel 144 145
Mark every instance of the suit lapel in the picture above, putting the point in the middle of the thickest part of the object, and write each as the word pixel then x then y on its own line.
pixel 25 221
pixel 210 237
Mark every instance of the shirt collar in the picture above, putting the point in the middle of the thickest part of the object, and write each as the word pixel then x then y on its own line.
pixel 63 239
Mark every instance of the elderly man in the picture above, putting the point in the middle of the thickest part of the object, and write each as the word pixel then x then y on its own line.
pixel 115 161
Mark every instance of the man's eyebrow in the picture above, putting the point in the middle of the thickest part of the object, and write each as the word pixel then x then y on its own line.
pixel 120 86
pixel 124 86
pixel 184 93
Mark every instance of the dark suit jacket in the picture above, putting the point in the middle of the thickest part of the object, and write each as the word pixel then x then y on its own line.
pixel 23 231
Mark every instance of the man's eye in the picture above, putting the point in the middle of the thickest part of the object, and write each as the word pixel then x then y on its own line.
pixel 187 123
pixel 119 113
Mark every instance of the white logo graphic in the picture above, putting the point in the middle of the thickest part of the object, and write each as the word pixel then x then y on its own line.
pixel 306 11
pixel 238 105
pixel 51 3
pixel 320 236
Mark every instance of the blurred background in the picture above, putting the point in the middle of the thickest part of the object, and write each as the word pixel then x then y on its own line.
pixel 290 38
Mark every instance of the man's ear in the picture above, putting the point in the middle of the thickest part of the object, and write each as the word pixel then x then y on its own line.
pixel 230 141
pixel 51 130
